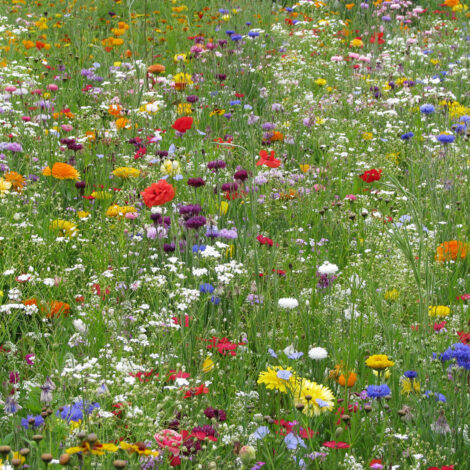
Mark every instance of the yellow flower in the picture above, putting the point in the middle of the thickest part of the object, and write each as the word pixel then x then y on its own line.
pixel 408 386
pixel 208 364
pixel 273 381
pixel 4 187
pixel 367 135
pixel 356 43
pixel 217 112
pixel 320 81
pixel 180 58
pixel 119 211
pixel 314 398
pixel 82 214
pixel 391 294
pixel 101 195
pixel 126 172
pixel 386 375
pixel 223 207
pixel 184 108
pixel 438 311
pixel 96 449
pixel 170 167
pixel 181 80
pixel 379 362
pixel 305 167
pixel 139 448
pixel 229 251
pixel 66 228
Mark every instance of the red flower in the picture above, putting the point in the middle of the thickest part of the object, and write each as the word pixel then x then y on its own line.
pixel 375 461
pixel 463 297
pixel 439 326
pixel 158 194
pixel 223 345
pixel 183 124
pixel 370 176
pixel 336 445
pixel 178 375
pixel 264 240
pixel 377 37
pixel 144 376
pixel 194 391
pixel 464 337
pixel 268 160
pixel 177 321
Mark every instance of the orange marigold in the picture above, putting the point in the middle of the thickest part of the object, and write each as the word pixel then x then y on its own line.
pixel 16 180
pixel 451 251
pixel 62 171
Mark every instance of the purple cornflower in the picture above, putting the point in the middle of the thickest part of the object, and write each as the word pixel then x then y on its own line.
pixel 196 222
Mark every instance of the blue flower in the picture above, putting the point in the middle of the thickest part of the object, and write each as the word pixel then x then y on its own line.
pixel 215 300
pixel 75 412
pixel 284 374
pixel 295 355
pixel 206 288
pixel 234 102
pixel 378 391
pixel 253 34
pixel 427 109
pixel 292 441
pixel 38 421
pixel 236 37
pixel 197 248
pixel 445 138
pixel 272 353
pixel 229 32
pixel 460 352
pixel 411 374
pixel 407 136
pixel 261 432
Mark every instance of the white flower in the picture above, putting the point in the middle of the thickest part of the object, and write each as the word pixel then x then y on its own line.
pixel 328 268
pixel 317 353
pixel 288 303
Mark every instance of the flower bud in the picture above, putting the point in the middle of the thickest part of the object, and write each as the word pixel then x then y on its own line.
pixel 247 454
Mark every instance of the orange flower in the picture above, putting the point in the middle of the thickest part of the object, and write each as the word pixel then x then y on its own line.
pixel 57 309
pixel 156 68
pixel 121 123
pixel 277 136
pixel 62 171
pixel 351 380
pixel 115 110
pixel 451 251
pixel 158 194
pixel 16 180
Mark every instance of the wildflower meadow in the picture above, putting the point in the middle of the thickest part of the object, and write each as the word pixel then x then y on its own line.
pixel 234 234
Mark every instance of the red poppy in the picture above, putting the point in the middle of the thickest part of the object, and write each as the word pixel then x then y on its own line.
pixel 377 37
pixel 158 194
pixel 370 176
pixel 140 153
pixel 177 321
pixel 268 160
pixel 144 376
pixel 194 391
pixel 264 240
pixel 183 124
pixel 178 375
pixel 374 462
pixel 336 445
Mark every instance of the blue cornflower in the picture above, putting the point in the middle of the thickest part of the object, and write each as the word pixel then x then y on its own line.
pixel 460 352
pixel 445 138
pixel 38 421
pixel 272 353
pixel 234 102
pixel 378 391
pixel 215 300
pixel 295 355
pixel 407 136
pixel 427 109
pixel 236 37
pixel 253 34
pixel 197 248
pixel 261 432
pixel 292 441
pixel 229 32
pixel 411 374
pixel 206 288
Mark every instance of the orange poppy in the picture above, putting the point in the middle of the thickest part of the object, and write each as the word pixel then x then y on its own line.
pixel 156 68
pixel 451 250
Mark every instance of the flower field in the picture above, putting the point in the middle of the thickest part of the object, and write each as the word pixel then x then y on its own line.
pixel 234 234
